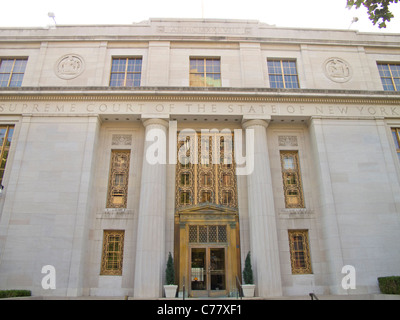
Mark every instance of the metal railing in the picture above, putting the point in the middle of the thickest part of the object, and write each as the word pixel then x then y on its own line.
pixel 313 296
pixel 183 289
pixel 239 287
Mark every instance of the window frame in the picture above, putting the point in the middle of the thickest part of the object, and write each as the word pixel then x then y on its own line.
pixel 287 173
pixel 12 72
pixel 205 73
pixel 126 72
pixel 105 270
pixel 392 77
pixel 282 73
pixel 396 139
pixel 113 172
pixel 305 265
pixel 4 147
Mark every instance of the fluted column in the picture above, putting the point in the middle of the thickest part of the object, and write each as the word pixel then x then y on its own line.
pixel 150 248
pixel 262 221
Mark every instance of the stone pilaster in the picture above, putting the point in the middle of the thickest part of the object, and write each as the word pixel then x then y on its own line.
pixel 150 251
pixel 262 221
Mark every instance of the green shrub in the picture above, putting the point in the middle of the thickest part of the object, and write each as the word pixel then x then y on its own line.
pixel 389 285
pixel 248 271
pixel 14 293
pixel 170 272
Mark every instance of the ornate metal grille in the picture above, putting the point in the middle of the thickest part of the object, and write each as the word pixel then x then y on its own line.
pixel 6 133
pixel 113 248
pixel 207 234
pixel 292 185
pixel 118 180
pixel 299 252
pixel 211 177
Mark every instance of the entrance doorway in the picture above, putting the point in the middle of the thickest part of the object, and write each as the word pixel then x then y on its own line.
pixel 207 250
pixel 208 272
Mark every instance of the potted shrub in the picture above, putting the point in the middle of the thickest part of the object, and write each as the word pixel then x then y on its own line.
pixel 248 286
pixel 170 287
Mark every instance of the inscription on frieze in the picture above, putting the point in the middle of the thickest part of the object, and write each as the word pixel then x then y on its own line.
pixel 203 30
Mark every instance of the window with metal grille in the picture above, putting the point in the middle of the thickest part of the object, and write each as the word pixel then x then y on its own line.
pixel 299 252
pixel 396 139
pixel 6 133
pixel 292 185
pixel 112 255
pixel 118 180
pixel 207 234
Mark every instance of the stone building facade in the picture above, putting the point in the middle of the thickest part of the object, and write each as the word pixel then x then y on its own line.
pixel 101 179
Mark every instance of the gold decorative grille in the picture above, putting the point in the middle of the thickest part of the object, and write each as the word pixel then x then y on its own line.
pixel 292 185
pixel 118 180
pixel 112 256
pixel 299 252
pixel 396 139
pixel 6 133
pixel 207 234
pixel 206 170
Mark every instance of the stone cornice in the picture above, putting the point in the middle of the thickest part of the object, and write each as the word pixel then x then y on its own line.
pixel 248 95
pixel 198 30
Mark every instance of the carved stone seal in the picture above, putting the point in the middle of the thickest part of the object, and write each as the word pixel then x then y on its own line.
pixel 69 66
pixel 337 70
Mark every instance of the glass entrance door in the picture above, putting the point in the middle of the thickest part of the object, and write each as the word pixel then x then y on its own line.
pixel 207 272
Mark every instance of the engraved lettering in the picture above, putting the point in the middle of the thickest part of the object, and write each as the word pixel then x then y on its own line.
pixel 319 110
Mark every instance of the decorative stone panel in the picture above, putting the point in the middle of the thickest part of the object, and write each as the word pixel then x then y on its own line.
pixel 69 66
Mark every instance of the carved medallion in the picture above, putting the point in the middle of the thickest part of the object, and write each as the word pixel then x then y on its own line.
pixel 337 70
pixel 69 66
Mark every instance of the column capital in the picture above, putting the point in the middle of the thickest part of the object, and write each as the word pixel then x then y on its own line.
pixel 250 122
pixel 155 121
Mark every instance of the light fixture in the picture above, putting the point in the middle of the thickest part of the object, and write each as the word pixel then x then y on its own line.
pixel 53 16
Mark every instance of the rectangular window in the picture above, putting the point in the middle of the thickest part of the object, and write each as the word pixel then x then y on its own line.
pixel 208 234
pixel 126 72
pixel 205 72
pixel 390 76
pixel 396 138
pixel 12 72
pixel 208 175
pixel 113 249
pixel 292 179
pixel 6 133
pixel 299 252
pixel 283 74
pixel 118 179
